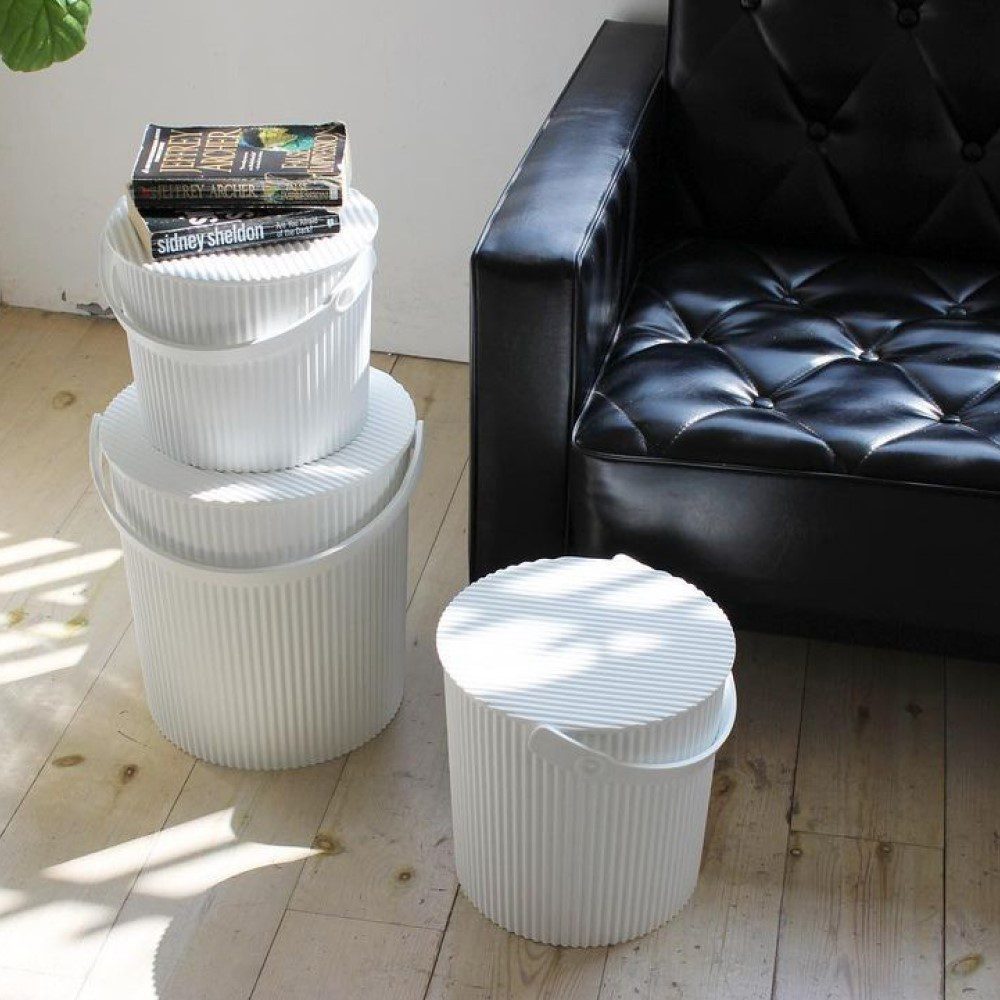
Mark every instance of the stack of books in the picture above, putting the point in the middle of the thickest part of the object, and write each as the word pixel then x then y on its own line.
pixel 211 188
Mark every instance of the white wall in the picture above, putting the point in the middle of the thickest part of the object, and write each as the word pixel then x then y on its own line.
pixel 441 97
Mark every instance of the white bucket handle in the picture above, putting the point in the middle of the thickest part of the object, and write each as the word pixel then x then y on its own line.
pixel 561 749
pixel 344 294
pixel 227 574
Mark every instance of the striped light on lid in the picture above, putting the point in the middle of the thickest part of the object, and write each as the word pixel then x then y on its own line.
pixel 587 644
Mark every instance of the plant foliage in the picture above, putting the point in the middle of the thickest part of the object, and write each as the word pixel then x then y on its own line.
pixel 36 33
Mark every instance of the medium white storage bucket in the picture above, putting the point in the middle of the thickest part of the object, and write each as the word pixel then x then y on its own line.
pixel 586 699
pixel 224 299
pixel 272 404
pixel 253 519
pixel 278 667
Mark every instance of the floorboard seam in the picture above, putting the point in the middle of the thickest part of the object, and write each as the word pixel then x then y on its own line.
pixel 128 895
pixel 305 861
pixel 367 920
pixel 604 971
pixel 12 599
pixel 868 840
pixel 62 732
pixel 340 777
pixel 270 947
pixel 76 506
pixel 437 534
pixel 440 947
pixel 791 809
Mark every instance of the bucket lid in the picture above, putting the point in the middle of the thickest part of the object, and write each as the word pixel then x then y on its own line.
pixel 586 644
pixel 386 434
pixel 358 225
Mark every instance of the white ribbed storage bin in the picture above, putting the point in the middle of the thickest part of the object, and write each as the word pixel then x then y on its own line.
pixel 586 699
pixel 272 404
pixel 252 519
pixel 276 667
pixel 224 299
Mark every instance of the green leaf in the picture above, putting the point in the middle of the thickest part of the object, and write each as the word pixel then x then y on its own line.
pixel 36 33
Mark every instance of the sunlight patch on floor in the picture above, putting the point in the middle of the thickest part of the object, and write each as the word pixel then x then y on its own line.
pixel 73 596
pixel 31 647
pixel 181 860
pixel 202 873
pixel 23 667
pixel 58 571
pixel 37 548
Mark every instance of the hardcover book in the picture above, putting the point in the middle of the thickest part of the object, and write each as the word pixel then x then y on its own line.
pixel 193 233
pixel 210 166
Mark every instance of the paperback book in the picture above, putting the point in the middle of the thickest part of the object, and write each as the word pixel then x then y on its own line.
pixel 193 232
pixel 215 166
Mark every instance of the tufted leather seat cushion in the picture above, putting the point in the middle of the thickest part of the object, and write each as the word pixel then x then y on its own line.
pixel 806 360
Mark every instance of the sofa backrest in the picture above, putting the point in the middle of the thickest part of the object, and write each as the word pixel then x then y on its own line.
pixel 836 122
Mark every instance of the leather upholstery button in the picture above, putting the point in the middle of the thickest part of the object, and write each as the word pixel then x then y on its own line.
pixel 972 152
pixel 957 311
pixel 869 355
pixel 896 126
pixel 951 418
pixel 763 403
pixel 817 131
pixel 749 4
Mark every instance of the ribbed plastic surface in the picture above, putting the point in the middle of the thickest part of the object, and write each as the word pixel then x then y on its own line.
pixel 633 664
pixel 231 298
pixel 255 519
pixel 279 667
pixel 634 657
pixel 273 673
pixel 269 405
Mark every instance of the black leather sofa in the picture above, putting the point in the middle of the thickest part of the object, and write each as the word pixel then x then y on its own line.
pixel 737 314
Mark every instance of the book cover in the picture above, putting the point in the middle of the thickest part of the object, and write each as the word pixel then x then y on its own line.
pixel 208 166
pixel 193 233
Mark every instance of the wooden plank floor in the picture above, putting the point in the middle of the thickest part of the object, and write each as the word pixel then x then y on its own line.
pixel 853 846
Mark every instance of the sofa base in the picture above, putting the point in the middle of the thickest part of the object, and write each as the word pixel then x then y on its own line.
pixel 834 556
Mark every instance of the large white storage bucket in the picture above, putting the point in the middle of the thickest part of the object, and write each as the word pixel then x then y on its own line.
pixel 270 404
pixel 586 700
pixel 224 299
pixel 254 519
pixel 278 667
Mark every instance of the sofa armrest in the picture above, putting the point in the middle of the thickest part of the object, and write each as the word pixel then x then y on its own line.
pixel 548 278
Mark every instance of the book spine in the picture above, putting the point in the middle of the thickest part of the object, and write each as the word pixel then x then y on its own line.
pixel 250 192
pixel 238 234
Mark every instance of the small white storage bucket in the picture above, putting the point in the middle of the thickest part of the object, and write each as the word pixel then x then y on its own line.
pixel 224 299
pixel 586 700
pixel 277 667
pixel 272 404
pixel 248 520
